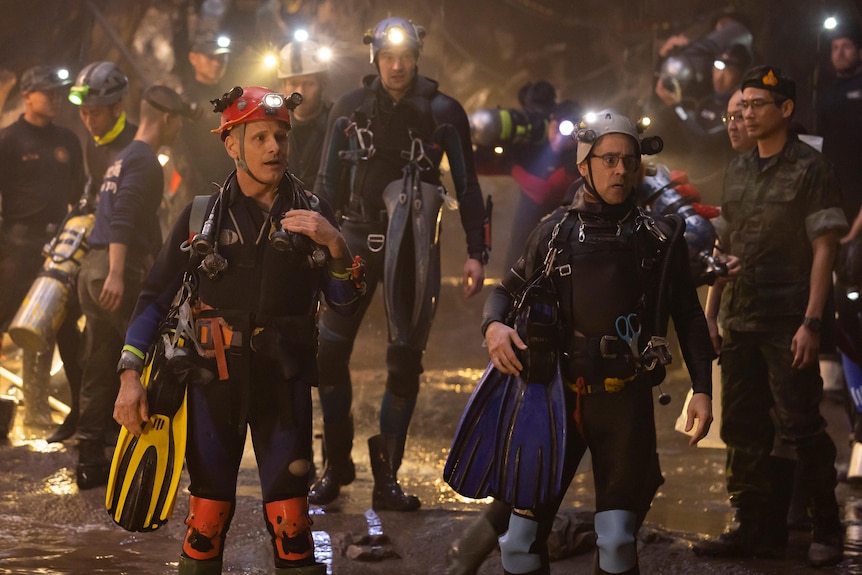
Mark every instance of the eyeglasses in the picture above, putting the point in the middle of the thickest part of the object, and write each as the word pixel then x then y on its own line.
pixel 732 118
pixel 759 103
pixel 630 163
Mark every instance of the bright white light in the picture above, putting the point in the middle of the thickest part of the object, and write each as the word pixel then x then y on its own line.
pixel 270 60
pixel 63 74
pixel 646 121
pixel 223 42
pixel 853 294
pixel 395 35
pixel 719 65
pixel 164 159
pixel 830 23
pixel 567 127
pixel 324 54
pixel 498 149
pixel 300 35
pixel 590 117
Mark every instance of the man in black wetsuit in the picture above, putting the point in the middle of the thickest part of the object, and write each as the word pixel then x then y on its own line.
pixel 617 273
pixel 123 244
pixel 303 68
pixel 41 175
pixel 393 113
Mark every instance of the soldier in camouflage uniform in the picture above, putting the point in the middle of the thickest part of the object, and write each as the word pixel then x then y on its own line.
pixel 781 220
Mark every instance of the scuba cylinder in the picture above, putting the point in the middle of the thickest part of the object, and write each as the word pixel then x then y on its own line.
pixel 657 193
pixel 35 325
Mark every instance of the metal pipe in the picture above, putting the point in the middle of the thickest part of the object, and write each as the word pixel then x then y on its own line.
pixel 118 42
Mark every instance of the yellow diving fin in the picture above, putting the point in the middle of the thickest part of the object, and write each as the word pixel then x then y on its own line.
pixel 145 471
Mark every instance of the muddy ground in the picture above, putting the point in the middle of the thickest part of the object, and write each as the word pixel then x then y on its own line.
pixel 48 526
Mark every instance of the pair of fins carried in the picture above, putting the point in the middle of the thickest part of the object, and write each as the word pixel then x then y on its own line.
pixel 145 471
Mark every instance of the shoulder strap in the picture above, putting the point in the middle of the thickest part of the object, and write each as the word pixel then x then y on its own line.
pixel 198 213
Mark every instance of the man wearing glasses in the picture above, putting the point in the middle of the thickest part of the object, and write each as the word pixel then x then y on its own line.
pixel 783 218
pixel 609 256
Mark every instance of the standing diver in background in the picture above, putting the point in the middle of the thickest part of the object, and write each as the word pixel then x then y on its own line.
pixel 535 151
pixel 617 274
pixel 367 178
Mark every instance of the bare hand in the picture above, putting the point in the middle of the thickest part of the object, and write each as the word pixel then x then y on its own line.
pixel 319 229
pixel 500 338
pixel 670 98
pixel 112 292
pixel 675 41
pixel 473 278
pixel 699 410
pixel 714 335
pixel 130 408
pixel 805 348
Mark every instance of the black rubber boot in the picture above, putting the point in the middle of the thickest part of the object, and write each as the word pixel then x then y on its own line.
pixel 93 466
pixel 190 566
pixel 467 554
pixel 386 452
pixel 339 469
pixel 66 429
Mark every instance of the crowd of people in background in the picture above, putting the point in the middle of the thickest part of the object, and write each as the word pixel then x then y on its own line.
pixel 335 173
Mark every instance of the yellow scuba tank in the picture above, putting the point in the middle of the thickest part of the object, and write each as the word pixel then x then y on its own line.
pixel 35 325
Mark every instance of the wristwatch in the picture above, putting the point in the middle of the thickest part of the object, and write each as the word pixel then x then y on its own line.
pixel 812 323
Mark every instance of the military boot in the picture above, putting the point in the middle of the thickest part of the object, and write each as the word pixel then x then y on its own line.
pixel 189 566
pixel 827 538
pixel 339 470
pixel 748 538
pixel 386 452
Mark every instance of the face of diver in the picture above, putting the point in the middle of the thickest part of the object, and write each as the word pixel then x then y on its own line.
pixel 397 67
pixel 614 183
pixel 265 151
pixel 310 87
pixel 845 56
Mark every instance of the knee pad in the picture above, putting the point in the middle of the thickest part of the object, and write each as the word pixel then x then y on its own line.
pixel 516 546
pixel 208 522
pixel 404 366
pixel 616 540
pixel 290 528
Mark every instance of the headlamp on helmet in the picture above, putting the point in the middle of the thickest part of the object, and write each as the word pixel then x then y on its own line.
pixel 392 32
pixel 239 106
pixel 99 84
pixel 595 125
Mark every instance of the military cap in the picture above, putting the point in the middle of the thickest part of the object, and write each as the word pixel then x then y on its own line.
pixel 772 79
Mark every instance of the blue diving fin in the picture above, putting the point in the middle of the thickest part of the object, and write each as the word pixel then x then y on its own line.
pixel 471 467
pixel 531 448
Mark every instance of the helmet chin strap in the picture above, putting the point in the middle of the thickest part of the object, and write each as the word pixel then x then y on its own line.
pixel 240 162
pixel 590 185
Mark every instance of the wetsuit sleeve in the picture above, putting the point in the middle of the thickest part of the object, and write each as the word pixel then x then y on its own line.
pixel 139 193
pixel 689 321
pixel 160 286
pixel 339 288
pixel 448 111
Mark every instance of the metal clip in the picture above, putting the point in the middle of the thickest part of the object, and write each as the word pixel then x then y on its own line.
pixel 606 344
pixel 375 242
pixel 581 235
pixel 656 352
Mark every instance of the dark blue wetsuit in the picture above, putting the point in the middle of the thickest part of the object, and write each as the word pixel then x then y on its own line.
pixel 128 200
pixel 265 303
